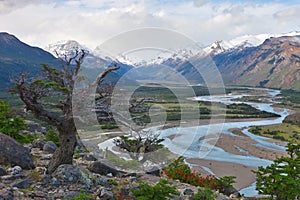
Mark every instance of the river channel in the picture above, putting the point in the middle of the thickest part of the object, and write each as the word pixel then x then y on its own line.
pixel 193 142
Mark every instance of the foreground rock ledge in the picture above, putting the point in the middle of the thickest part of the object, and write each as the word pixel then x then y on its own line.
pixel 13 153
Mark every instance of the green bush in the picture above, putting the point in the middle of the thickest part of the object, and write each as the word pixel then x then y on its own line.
pixel 281 179
pixel 178 170
pixel 11 125
pixel 53 136
pixel 162 190
pixel 82 196
pixel 204 194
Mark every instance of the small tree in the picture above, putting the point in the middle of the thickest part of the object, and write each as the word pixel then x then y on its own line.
pixel 142 143
pixel 50 99
pixel 281 179
pixel 9 124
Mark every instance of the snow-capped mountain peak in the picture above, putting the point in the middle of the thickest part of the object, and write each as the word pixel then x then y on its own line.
pixel 242 42
pixel 66 47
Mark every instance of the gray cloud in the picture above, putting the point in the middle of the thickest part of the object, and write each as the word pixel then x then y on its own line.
pixel 7 6
pixel 91 22
pixel 199 3
pixel 289 14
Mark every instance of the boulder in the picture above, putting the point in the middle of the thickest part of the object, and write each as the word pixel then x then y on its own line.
pixel 49 147
pixel 15 170
pixel 229 191
pixel 155 171
pixel 107 195
pixel 22 184
pixel 188 191
pixel 89 157
pixel 104 167
pixel 72 174
pixel 35 127
pixel 13 153
pixel 2 171
pixel 38 143
pixel 7 194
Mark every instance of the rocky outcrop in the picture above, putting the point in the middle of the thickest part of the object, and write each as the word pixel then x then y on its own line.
pixel 104 168
pixel 13 153
pixel 49 147
pixel 72 174
pixel 2 171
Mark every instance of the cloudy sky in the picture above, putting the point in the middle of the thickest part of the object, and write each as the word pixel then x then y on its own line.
pixel 91 22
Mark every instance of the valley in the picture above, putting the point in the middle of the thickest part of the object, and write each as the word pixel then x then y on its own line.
pixel 228 130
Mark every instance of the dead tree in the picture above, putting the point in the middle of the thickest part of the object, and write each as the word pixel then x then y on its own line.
pixel 50 99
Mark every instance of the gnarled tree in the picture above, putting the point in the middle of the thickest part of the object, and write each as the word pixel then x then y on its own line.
pixel 50 99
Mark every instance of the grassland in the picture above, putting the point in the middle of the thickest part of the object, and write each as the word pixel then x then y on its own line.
pixel 289 130
pixel 284 132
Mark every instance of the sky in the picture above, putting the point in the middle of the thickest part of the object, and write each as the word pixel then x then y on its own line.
pixel 92 22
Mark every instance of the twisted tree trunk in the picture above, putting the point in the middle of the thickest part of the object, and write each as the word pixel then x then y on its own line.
pixel 68 140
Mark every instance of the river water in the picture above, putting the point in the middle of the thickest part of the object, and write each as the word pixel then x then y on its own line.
pixel 187 143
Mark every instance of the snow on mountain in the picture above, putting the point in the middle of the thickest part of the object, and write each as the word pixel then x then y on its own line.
pixel 218 46
pixel 69 47
pixel 66 47
pixel 243 42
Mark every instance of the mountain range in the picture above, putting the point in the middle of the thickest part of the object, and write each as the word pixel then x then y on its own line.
pixel 16 57
pixel 265 60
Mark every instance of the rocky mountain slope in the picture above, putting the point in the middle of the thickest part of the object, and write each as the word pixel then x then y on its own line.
pixel 275 63
pixel 16 57
pixel 246 60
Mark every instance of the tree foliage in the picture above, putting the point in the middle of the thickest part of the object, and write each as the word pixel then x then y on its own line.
pixel 11 125
pixel 281 179
pixel 162 190
pixel 140 144
pixel 50 98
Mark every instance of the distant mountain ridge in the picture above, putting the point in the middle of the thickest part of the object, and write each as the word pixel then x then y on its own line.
pixel 275 62
pixel 16 57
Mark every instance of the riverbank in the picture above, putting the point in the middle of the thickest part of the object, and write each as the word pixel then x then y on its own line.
pixel 244 175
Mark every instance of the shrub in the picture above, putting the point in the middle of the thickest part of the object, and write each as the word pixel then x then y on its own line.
pixel 12 125
pixel 82 196
pixel 143 143
pixel 162 190
pixel 53 136
pixel 204 194
pixel 282 178
pixel 178 170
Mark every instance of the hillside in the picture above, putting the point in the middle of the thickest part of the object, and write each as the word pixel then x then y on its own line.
pixel 16 57
pixel 275 63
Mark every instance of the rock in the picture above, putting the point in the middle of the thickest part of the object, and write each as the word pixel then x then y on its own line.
pixel 22 184
pixel 13 153
pixel 155 171
pixel 106 195
pixel 41 170
pixel 12 177
pixel 72 174
pixel 134 179
pixel 89 157
pixel 125 191
pixel 15 170
pixel 38 143
pixel 35 128
pixel 49 147
pixel 6 194
pixel 188 191
pixel 2 171
pixel 104 167
pixel 229 191
pixel 235 195
pixel 132 174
